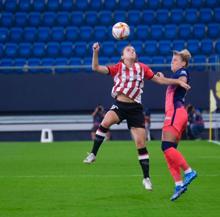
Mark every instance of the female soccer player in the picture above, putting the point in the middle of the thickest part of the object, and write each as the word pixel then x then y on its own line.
pixel 175 123
pixel 128 77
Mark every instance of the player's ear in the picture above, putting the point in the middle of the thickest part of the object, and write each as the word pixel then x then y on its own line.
pixel 184 64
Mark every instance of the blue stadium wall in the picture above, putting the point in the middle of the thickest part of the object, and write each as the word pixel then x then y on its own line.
pixel 74 93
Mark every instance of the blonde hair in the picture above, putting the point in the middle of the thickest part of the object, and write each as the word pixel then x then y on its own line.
pixel 184 54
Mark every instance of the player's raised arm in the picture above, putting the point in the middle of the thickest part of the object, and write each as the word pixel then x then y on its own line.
pixel 160 79
pixel 95 60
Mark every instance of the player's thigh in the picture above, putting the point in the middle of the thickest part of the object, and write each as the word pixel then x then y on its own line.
pixel 170 134
pixel 110 118
pixel 173 129
pixel 180 120
pixel 139 136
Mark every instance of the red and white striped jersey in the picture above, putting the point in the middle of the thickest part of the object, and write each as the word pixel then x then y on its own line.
pixel 129 81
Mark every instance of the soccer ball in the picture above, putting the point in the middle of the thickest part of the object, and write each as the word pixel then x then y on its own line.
pixel 120 31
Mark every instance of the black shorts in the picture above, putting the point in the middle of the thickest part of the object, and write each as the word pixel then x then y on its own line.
pixel 131 112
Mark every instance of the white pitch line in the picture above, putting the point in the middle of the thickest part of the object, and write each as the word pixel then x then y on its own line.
pixel 92 176
pixel 209 157
pixel 71 176
pixel 215 142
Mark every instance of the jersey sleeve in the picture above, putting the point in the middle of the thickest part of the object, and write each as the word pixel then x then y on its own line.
pixel 183 72
pixel 113 69
pixel 148 73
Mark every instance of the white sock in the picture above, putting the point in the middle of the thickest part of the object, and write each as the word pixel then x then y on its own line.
pixel 189 170
pixel 179 183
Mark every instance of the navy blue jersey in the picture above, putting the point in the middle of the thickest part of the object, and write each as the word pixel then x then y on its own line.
pixel 175 94
pixel 180 92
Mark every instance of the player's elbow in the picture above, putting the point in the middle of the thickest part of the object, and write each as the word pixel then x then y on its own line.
pixel 95 67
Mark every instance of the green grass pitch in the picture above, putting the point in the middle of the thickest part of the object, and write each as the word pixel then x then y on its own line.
pixel 50 180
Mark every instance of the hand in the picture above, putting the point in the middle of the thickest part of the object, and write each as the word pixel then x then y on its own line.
pixel 184 85
pixel 96 47
pixel 160 74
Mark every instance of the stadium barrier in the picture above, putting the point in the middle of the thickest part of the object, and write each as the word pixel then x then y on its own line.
pixel 77 122
pixel 87 68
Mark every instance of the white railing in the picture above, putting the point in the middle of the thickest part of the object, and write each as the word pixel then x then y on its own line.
pixel 53 68
pixel 76 122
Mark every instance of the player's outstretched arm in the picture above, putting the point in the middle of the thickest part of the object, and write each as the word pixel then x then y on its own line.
pixel 95 60
pixel 160 79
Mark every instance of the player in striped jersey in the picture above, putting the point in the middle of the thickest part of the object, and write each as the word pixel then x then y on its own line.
pixel 128 75
pixel 175 123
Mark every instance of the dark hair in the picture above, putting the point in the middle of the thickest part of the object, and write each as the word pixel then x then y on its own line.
pixel 100 107
pixel 122 52
pixel 190 108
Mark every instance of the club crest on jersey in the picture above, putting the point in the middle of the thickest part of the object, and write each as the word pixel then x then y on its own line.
pixel 167 118
pixel 183 72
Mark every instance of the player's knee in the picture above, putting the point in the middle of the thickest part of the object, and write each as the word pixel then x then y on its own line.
pixel 140 144
pixel 103 128
pixel 166 145
pixel 105 124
